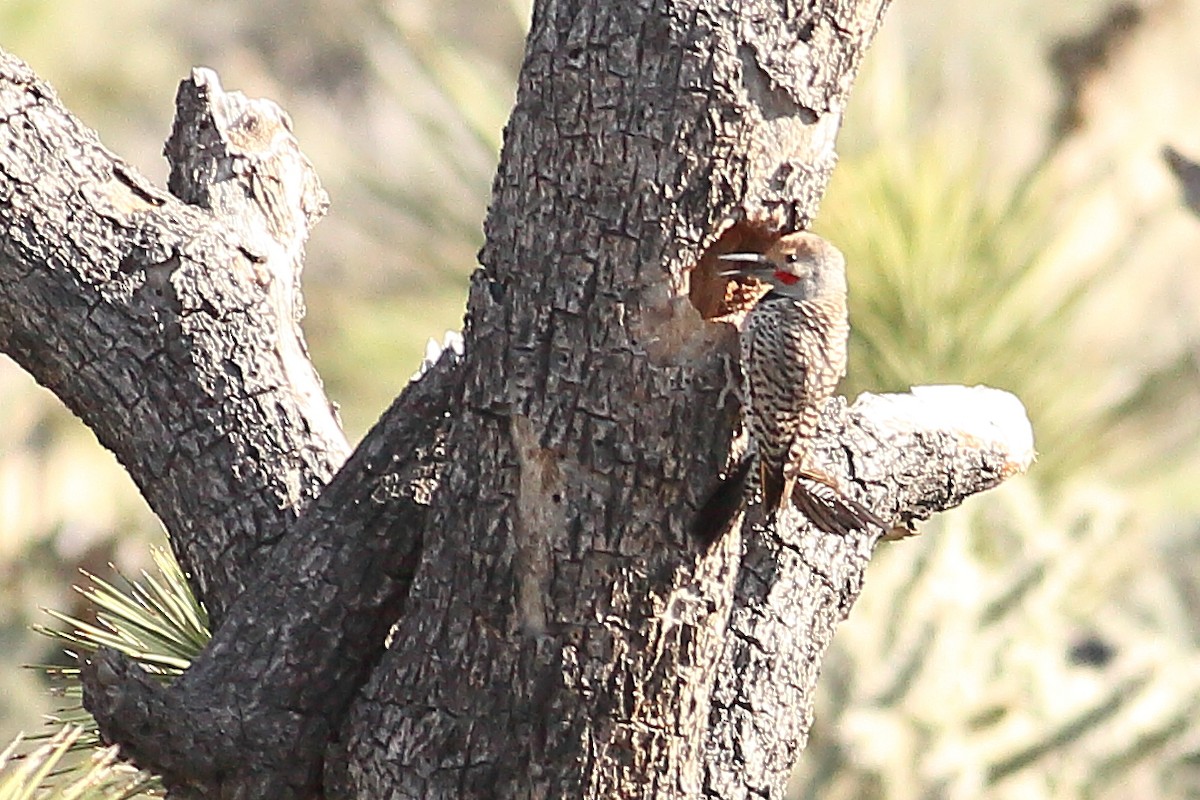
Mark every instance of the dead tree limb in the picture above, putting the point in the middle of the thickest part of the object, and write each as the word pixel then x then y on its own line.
pixel 172 330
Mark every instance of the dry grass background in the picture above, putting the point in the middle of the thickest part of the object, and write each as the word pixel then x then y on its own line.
pixel 1042 641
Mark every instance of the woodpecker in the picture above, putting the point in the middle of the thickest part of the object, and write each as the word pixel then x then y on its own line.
pixel 793 354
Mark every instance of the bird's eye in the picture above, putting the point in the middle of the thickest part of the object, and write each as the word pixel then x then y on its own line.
pixel 791 258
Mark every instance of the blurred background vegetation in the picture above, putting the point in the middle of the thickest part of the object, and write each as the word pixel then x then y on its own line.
pixel 1004 203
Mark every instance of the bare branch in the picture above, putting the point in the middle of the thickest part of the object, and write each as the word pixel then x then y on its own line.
pixel 170 331
pixel 913 455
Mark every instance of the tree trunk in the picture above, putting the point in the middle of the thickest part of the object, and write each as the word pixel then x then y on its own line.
pixel 519 518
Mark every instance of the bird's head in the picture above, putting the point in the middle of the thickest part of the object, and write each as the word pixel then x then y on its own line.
pixel 800 265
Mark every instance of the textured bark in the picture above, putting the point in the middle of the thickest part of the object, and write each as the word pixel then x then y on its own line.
pixel 172 330
pixel 521 513
pixel 575 632
pixel 253 716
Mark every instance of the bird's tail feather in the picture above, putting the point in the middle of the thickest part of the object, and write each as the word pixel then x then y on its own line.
pixel 823 505
pixel 722 504
pixel 774 488
pixel 832 512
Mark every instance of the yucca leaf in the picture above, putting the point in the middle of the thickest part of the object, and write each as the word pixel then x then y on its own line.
pixel 156 622
pixel 41 774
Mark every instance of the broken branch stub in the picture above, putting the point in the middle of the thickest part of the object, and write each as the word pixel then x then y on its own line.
pixel 906 456
pixel 171 330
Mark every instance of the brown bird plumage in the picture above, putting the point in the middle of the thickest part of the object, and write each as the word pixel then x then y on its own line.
pixel 793 354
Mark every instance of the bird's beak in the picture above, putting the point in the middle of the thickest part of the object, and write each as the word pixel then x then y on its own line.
pixel 752 263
